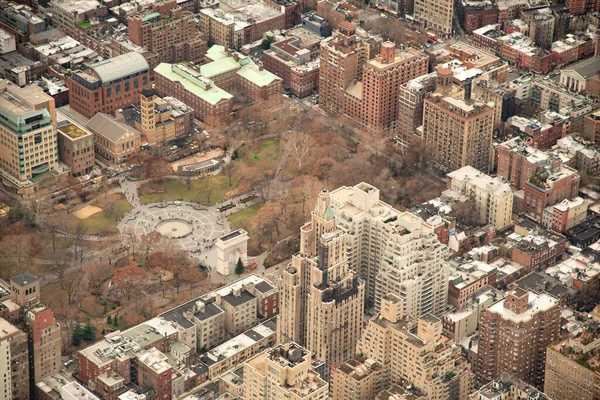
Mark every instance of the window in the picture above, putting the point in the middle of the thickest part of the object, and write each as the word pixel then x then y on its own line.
pixel 127 86
pixel 108 92
pixel 118 88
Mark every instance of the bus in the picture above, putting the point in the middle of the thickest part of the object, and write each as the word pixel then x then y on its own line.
pixel 431 36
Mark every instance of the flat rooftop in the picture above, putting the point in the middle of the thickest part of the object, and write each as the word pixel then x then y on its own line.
pixel 73 131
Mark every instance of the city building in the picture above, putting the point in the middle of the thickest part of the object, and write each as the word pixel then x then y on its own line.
pixel 520 50
pixel 283 372
pixel 60 387
pixel 361 378
pixel 458 132
pixel 21 21
pixel 343 58
pixel 467 279
pixel 574 47
pixel 566 214
pixel 514 334
pixel 509 388
pixel 159 120
pixel 381 81
pixel 294 65
pixel 14 367
pixel 476 14
pixel 322 300
pixel 436 16
pixel 411 97
pixel 7 42
pixel 109 85
pixel 235 28
pixel 205 87
pixel 76 148
pixel 416 352
pixel 583 77
pixel 536 250
pixel 516 162
pixel 540 135
pixel 28 144
pixel 169 31
pixel 67 14
pixel 493 198
pixel 571 365
pixel 114 141
pixel 392 251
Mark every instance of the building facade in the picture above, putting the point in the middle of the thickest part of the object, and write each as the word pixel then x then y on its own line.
pixel 109 85
pixel 458 132
pixel 76 149
pixel 436 16
pixel 14 367
pixel 322 300
pixel 526 323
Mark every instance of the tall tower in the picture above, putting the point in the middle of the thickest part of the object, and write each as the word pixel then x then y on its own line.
pixel 147 115
pixel 322 300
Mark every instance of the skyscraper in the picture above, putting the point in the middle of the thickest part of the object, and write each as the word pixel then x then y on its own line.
pixel 14 367
pixel 514 334
pixel 392 251
pixel 322 300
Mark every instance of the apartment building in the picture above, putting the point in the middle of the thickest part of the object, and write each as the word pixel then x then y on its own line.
pixel 76 148
pixel 540 135
pixel 28 145
pixel 509 388
pixel 536 251
pixel 109 85
pixel 294 65
pixel 358 378
pixel 415 351
pixel 566 214
pixel 154 370
pixel 15 363
pixel 7 42
pixel 467 279
pixel 322 300
pixel 169 31
pixel 436 16
pixel 492 197
pixel 517 162
pixel 114 141
pixel 392 251
pixel 283 372
pixel 571 366
pixel 458 132
pixel 381 81
pixel 343 58
pixel 411 97
pixel 514 334
pixel 458 325
pixel 67 14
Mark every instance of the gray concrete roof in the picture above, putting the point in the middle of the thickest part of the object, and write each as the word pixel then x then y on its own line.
pixel 120 66
pixel 107 126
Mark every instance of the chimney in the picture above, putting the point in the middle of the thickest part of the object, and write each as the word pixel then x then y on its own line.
pixel 237 292
pixel 218 299
pixel 236 57
pixel 260 68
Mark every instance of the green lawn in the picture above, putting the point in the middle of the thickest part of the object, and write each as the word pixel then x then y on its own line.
pixel 99 223
pixel 176 189
pixel 268 151
pixel 241 218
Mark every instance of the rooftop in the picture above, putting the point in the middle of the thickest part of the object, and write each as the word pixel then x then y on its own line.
pixel 73 131
pixel 241 342
pixel 121 66
pixel 24 279
pixel 495 186
pixel 537 303
pixel 586 68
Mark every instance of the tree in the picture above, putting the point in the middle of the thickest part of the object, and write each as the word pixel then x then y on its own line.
pixel 207 187
pixel 40 210
pixel 129 280
pixel 109 320
pixel 34 247
pixel 228 170
pixel 132 240
pixel 116 321
pixel 78 233
pixel 148 242
pixel 77 335
pixel 157 168
pixel 466 213
pixel 89 332
pixel 110 210
pixel 239 269
pixel 299 144
pixel 266 43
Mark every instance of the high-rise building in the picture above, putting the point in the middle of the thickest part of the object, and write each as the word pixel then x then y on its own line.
pixel 342 61
pixel 169 31
pixel 458 132
pixel 514 334
pixel 45 343
pixel 284 372
pixel 435 15
pixel 76 148
pixel 322 300
pixel 28 144
pixel 571 366
pixel 358 378
pixel 415 351
pixel 382 78
pixel 392 251
pixel 410 108
pixel 14 367
pixel 492 197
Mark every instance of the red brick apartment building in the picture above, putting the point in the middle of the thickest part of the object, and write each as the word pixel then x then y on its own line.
pixel 294 66
pixel 514 334
pixel 109 85
pixel 537 252
pixel 541 191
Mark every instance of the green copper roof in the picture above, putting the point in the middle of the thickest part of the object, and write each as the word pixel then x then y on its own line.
pixel 216 52
pixel 219 66
pixel 329 212
pixel 194 83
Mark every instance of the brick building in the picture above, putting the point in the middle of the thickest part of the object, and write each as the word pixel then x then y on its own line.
pixel 476 14
pixel 381 81
pixel 514 334
pixel 168 31
pixel 294 65
pixel 114 141
pixel 109 85
pixel 536 252
pixel 467 279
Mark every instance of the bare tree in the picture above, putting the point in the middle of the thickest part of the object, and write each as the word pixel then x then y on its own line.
pixel 109 209
pixel 78 233
pixel 228 170
pixel 207 186
pixel 131 240
pixel 40 209
pixel 299 145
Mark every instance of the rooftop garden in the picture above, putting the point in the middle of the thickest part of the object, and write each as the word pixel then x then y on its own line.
pixel 539 179
pixel 73 131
